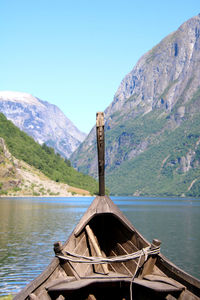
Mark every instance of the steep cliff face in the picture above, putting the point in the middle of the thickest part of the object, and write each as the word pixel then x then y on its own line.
pixel 41 120
pixel 154 115
pixel 164 74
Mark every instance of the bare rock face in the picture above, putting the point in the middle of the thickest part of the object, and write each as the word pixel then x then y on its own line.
pixel 164 74
pixel 43 121
pixel 159 95
pixel 4 149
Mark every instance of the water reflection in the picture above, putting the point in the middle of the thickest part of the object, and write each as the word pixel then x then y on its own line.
pixel 29 227
pixel 175 223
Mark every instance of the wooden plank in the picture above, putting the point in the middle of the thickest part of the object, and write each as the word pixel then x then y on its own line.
pixel 78 284
pixel 103 206
pixel 120 267
pixel 59 281
pixel 81 244
pixel 164 279
pixel 150 263
pixel 126 241
pixel 83 269
pixel 96 247
pixel 82 249
pixel 186 295
pixel 157 286
pixel 131 264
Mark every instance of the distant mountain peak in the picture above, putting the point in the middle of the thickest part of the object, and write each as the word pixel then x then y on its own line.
pixel 19 97
pixel 45 122
pixel 161 71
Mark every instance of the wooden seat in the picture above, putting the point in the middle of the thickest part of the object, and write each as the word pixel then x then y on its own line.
pixel 168 280
pixel 157 286
pixel 78 284
pixel 155 283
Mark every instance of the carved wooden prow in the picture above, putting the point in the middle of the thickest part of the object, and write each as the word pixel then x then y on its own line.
pixel 101 151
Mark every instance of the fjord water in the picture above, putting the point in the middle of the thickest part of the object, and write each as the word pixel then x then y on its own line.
pixel 30 226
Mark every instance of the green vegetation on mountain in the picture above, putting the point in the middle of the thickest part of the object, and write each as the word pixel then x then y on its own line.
pixel 157 153
pixel 154 154
pixel 168 166
pixel 23 147
pixel 152 126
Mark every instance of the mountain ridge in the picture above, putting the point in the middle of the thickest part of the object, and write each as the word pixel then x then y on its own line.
pixel 177 53
pixel 45 122
pixel 154 102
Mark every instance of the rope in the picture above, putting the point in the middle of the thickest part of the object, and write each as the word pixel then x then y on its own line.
pixel 137 267
pixel 75 258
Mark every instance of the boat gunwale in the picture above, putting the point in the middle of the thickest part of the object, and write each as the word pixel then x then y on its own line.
pixel 38 281
pixel 175 272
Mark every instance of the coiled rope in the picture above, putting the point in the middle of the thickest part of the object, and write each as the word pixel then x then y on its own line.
pixel 76 258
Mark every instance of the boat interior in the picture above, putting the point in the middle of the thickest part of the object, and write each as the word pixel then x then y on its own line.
pixel 108 235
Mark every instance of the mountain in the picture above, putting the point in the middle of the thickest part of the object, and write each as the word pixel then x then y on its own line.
pixel 43 121
pixel 17 178
pixel 152 126
pixel 21 156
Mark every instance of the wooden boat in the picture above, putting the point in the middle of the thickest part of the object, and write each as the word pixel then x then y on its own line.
pixel 107 258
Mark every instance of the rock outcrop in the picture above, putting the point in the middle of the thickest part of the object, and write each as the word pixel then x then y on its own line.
pixel 9 175
pixel 164 74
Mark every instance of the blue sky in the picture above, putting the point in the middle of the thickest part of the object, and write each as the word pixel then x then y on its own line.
pixel 75 53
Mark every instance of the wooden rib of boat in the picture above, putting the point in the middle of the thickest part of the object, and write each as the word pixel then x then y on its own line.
pixel 107 258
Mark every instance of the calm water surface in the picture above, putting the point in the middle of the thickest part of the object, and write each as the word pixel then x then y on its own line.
pixel 30 226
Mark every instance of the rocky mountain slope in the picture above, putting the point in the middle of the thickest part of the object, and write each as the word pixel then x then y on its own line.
pixel 43 121
pixel 21 147
pixel 9 176
pixel 17 178
pixel 152 125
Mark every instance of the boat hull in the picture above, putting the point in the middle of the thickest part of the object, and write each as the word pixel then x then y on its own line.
pixel 123 265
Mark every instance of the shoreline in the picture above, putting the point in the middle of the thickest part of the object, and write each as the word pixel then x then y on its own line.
pixel 33 183
pixel 47 196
